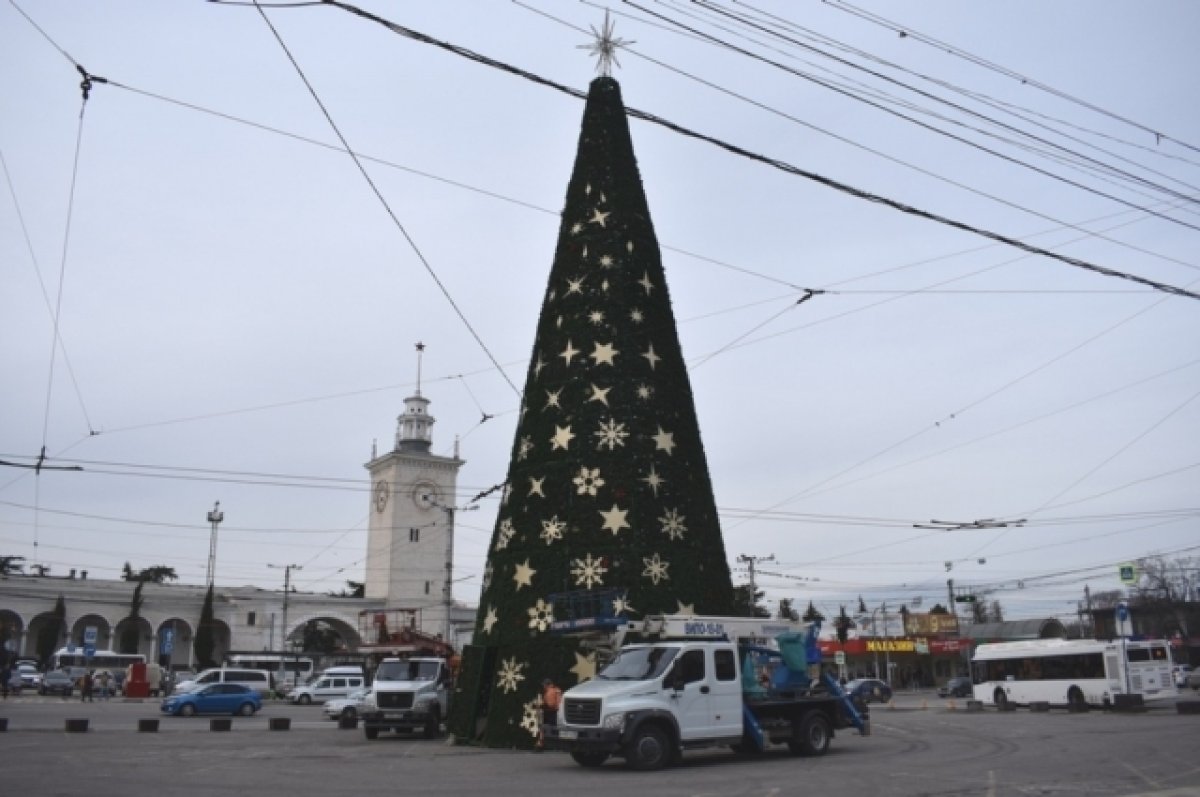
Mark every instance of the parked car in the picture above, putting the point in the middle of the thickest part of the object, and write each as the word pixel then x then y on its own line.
pixel 57 682
pixel 959 686
pixel 172 679
pixel 214 699
pixel 14 682
pixel 346 706
pixel 869 690
pixel 30 677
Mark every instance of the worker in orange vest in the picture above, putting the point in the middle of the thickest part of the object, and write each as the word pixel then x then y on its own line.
pixel 551 699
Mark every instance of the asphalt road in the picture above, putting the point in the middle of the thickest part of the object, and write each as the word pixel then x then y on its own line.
pixel 918 747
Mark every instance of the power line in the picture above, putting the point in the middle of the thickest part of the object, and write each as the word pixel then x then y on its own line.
pixel 772 162
pixel 1025 80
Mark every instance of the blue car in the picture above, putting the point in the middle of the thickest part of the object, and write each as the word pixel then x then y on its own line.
pixel 869 690
pixel 214 699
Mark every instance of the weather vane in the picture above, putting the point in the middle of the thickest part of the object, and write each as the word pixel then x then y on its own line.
pixel 605 46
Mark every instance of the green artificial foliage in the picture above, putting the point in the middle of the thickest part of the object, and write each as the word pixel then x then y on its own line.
pixel 608 487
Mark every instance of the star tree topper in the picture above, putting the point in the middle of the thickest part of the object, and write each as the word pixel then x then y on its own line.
pixel 605 46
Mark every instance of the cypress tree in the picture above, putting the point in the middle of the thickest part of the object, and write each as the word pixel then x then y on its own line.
pixel 52 632
pixel 129 637
pixel 204 642
pixel 608 489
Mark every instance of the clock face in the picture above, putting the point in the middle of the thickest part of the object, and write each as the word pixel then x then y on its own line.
pixel 382 491
pixel 426 496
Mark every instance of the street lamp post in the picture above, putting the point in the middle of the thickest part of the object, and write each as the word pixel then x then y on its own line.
pixel 214 517
pixel 887 655
pixel 283 630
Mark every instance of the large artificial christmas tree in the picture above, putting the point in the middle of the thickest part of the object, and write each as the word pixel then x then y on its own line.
pixel 608 488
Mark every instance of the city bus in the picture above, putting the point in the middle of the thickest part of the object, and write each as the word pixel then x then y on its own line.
pixel 1070 671
pixel 75 662
pixel 297 669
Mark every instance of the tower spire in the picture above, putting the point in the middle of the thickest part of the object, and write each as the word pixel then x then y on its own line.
pixel 414 428
pixel 420 356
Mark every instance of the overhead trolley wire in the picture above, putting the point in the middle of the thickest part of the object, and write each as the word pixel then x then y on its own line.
pixel 772 162
pixel 852 143
pixel 910 33
pixel 939 131
pixel 386 206
pixel 984 99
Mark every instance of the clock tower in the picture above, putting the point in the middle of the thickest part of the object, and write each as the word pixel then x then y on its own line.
pixel 410 542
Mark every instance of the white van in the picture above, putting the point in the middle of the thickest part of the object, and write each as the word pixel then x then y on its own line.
pixel 258 680
pixel 333 683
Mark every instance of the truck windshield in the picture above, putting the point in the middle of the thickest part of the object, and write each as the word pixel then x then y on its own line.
pixel 638 664
pixel 407 671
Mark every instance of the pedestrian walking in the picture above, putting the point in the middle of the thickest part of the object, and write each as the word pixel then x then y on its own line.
pixel 86 684
pixel 103 680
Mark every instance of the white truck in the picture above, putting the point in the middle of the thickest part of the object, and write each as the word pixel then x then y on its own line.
pixel 407 695
pixel 693 682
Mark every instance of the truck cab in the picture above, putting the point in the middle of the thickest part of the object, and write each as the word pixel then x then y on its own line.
pixel 653 698
pixel 407 695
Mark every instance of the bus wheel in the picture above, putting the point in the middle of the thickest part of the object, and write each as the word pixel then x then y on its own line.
pixel 1001 699
pixel 1075 697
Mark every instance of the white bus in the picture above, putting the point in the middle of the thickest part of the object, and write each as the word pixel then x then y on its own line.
pixel 1070 671
pixel 296 669
pixel 75 662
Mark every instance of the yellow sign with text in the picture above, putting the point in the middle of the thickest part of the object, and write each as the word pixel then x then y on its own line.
pixel 891 646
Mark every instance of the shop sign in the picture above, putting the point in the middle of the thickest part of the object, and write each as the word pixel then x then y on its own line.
pixel 890 646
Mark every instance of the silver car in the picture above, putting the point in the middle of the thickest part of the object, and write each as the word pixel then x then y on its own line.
pixel 346 706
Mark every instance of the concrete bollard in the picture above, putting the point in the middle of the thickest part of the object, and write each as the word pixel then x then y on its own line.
pixel 1129 704
pixel 951 705
pixel 974 705
pixel 280 723
pixel 75 726
pixel 1188 707
pixel 3 724
pixel 148 726
pixel 220 724
pixel 1039 706
pixel 348 723
pixel 1078 708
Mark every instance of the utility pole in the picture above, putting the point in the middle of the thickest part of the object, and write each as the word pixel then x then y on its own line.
pixel 751 562
pixel 448 586
pixel 283 629
pixel 214 517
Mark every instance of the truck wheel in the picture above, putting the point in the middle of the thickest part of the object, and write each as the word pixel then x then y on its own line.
pixel 433 725
pixel 371 732
pixel 590 759
pixel 812 735
pixel 1075 697
pixel 649 749
pixel 1001 699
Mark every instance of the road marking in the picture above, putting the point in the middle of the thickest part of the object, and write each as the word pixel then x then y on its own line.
pixel 1152 783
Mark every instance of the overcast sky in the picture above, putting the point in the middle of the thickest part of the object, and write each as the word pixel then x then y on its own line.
pixel 238 309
